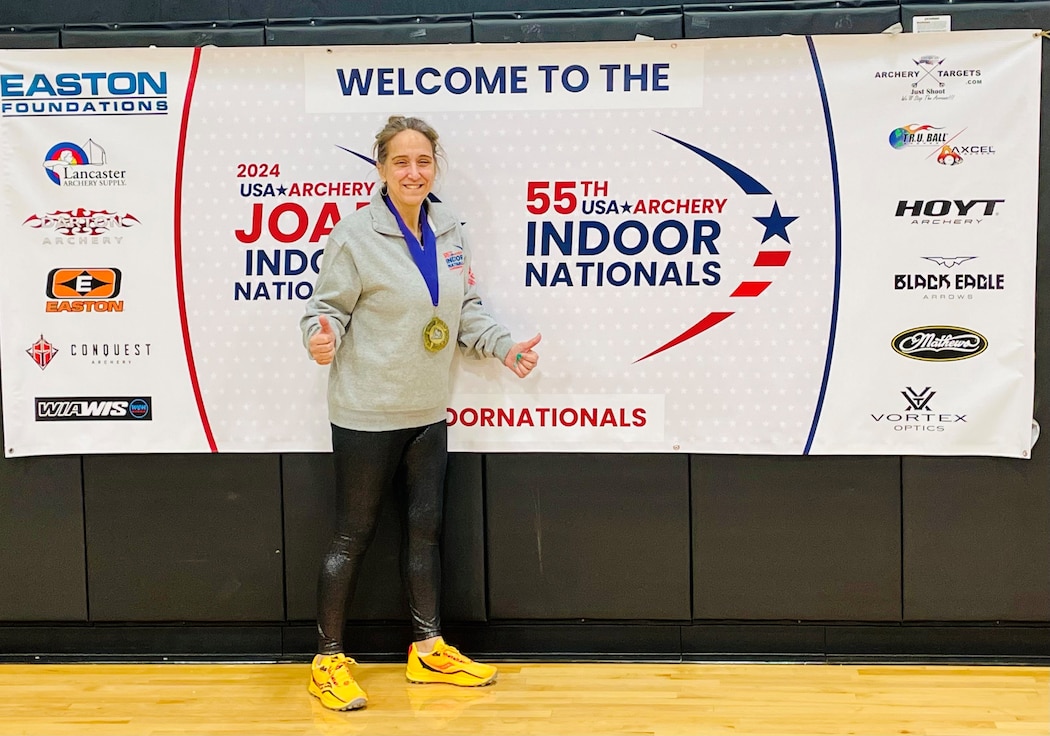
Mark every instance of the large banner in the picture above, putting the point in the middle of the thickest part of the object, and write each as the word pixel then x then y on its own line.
pixel 781 245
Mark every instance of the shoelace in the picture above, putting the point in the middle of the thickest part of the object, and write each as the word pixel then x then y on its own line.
pixel 344 665
pixel 453 654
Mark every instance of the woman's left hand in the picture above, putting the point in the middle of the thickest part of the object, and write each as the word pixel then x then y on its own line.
pixel 522 358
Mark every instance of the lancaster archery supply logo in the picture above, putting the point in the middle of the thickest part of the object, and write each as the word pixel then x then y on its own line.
pixel 81 226
pixel 94 408
pixel 78 92
pixel 939 343
pixel 70 165
pixel 84 290
pixel 42 352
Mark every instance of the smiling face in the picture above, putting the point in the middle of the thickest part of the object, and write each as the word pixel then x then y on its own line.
pixel 409 171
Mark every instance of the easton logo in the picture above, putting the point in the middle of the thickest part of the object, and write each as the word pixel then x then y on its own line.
pixel 84 290
pixel 93 408
pixel 939 343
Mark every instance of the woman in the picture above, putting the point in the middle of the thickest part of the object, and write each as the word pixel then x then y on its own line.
pixel 395 287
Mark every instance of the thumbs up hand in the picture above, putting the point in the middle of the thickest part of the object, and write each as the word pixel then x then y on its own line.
pixel 322 344
pixel 522 358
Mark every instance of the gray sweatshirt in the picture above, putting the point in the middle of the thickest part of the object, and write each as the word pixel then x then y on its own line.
pixel 382 377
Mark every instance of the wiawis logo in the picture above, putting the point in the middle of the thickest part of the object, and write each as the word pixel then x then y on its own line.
pixel 93 408
pixel 948 211
pixel 939 343
pixel 77 93
pixel 69 165
pixel 42 352
pixel 81 226
pixel 84 290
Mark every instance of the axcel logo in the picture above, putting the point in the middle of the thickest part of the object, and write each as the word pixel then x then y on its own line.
pixel 84 290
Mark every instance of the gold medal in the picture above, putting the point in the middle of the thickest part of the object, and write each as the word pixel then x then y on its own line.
pixel 435 335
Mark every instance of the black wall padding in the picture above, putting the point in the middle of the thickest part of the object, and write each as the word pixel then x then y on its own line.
pixel 19 12
pixel 369 31
pixel 972 16
pixel 184 537
pixel 578 25
pixel 801 17
pixel 798 538
pixel 339 8
pixel 977 538
pixel 309 502
pixel 164 34
pixel 28 38
pixel 587 536
pixel 41 539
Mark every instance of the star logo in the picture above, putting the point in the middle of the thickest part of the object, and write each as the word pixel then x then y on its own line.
pixel 776 224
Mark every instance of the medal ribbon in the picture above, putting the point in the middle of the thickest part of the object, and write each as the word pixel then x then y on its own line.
pixel 424 254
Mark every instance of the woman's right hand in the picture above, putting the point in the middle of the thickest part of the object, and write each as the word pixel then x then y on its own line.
pixel 322 344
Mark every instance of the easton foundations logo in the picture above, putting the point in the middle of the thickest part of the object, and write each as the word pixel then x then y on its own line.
pixel 84 290
pixel 93 408
pixel 939 343
pixel 42 352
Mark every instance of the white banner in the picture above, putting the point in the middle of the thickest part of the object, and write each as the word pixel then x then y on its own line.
pixel 781 245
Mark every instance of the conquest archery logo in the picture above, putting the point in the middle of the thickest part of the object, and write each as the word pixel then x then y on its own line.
pixel 93 408
pixel 939 343
pixel 42 352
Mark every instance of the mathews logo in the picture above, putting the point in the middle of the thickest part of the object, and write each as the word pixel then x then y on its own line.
pixel 73 93
pixel 939 343
pixel 93 408
pixel 42 352
pixel 69 165
pixel 84 290
pixel 919 415
pixel 82 226
pixel 947 211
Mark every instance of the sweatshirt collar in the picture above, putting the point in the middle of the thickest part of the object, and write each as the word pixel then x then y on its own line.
pixel 441 218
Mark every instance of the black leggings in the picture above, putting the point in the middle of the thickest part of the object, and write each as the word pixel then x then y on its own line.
pixel 367 464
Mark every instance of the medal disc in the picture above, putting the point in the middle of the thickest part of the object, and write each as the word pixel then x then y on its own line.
pixel 435 335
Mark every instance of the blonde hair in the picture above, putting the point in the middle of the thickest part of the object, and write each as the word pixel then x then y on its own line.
pixel 397 124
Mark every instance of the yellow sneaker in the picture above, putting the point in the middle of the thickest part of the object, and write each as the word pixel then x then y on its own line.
pixel 332 683
pixel 446 664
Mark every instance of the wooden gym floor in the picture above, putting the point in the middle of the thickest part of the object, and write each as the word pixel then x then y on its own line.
pixel 577 699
